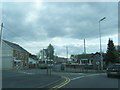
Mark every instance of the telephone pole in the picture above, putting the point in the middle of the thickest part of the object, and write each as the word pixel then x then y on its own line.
pixel 1 34
pixel 84 47
pixel 67 51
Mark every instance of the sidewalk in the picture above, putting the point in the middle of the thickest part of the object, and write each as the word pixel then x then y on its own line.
pixel 34 78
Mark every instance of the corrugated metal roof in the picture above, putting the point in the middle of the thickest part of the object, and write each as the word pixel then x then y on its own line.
pixel 15 46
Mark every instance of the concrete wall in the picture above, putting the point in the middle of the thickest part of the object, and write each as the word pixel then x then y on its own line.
pixel 6 56
pixel 6 50
pixel 7 63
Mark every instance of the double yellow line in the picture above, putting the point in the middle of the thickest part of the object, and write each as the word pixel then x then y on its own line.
pixel 67 80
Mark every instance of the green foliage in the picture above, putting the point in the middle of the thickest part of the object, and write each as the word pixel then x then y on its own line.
pixel 50 51
pixel 111 54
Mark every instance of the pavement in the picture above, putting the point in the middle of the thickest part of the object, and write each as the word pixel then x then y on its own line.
pixel 33 78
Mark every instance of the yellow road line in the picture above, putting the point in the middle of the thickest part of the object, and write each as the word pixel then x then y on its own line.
pixel 61 83
pixel 67 80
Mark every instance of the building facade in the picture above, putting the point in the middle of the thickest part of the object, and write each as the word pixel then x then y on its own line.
pixel 32 61
pixel 14 56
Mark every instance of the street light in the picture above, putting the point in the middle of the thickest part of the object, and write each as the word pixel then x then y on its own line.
pixel 1 34
pixel 67 51
pixel 100 42
pixel 1 46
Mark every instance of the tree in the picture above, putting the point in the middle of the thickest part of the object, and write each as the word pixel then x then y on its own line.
pixel 111 54
pixel 50 51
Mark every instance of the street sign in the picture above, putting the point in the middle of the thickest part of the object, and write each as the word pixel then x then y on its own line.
pixel 101 57
pixel 98 63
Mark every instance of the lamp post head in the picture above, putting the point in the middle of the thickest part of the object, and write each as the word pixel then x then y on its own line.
pixel 1 24
pixel 102 19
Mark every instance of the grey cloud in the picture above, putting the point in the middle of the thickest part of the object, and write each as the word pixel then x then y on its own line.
pixel 73 49
pixel 72 20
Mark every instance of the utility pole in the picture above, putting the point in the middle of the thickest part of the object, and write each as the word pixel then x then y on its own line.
pixel 50 60
pixel 46 51
pixel 67 51
pixel 1 34
pixel 84 47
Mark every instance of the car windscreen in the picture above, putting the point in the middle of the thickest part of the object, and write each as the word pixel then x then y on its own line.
pixel 114 66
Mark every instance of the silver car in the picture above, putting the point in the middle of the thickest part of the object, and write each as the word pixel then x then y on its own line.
pixel 113 70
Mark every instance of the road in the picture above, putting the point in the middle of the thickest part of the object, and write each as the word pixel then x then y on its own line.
pixel 84 80
pixel 93 81
pixel 37 78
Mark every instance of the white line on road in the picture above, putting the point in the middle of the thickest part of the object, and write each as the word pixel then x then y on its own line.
pixel 27 73
pixel 80 73
pixel 77 78
pixel 84 76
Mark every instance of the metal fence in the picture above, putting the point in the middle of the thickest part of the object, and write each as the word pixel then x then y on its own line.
pixel 77 69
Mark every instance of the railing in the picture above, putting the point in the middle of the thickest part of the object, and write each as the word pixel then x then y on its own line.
pixel 78 69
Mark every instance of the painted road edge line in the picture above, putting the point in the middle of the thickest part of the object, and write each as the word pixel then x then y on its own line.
pixel 49 84
pixel 64 83
pixel 67 80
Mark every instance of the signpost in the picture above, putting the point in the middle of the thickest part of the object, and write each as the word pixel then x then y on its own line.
pixel 98 64
pixel 47 51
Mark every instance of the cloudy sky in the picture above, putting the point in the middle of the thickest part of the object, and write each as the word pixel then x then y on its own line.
pixel 34 25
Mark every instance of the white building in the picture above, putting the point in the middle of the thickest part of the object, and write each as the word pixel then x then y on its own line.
pixel 85 61
pixel 43 54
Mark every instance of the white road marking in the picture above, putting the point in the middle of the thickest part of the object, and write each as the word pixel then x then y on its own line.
pixel 27 73
pixel 84 76
pixel 80 73
pixel 77 77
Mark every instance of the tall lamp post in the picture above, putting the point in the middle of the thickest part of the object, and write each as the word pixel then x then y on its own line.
pixel 67 52
pixel 101 64
pixel 1 34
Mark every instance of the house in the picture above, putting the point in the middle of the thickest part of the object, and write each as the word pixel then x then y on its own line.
pixel 97 60
pixel 117 48
pixel 14 56
pixel 59 60
pixel 85 61
pixel 32 61
pixel 43 54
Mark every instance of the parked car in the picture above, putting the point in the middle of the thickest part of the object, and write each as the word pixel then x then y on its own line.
pixel 113 70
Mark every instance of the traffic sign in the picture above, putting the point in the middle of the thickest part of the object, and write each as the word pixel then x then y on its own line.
pixel 97 62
